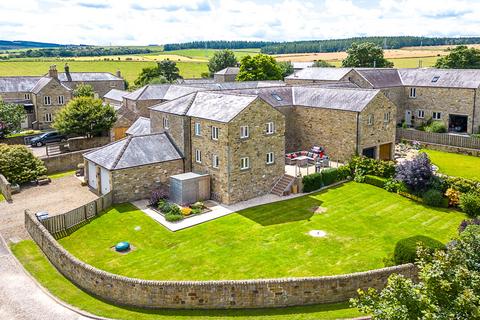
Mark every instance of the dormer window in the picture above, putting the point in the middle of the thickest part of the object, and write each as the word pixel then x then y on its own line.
pixel 435 79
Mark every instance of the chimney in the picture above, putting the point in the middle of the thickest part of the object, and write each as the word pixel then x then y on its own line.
pixel 67 72
pixel 52 72
pixel 119 74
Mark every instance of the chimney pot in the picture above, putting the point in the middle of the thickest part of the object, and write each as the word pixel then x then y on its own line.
pixel 119 74
pixel 52 72
pixel 67 68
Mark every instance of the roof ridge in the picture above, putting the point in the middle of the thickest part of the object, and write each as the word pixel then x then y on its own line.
pixel 119 156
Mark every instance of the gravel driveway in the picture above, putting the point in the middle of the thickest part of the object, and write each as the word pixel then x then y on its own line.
pixel 62 194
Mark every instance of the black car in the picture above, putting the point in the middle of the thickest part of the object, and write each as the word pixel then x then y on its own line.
pixel 47 137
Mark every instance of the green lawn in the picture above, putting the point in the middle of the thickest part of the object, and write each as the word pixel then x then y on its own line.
pixel 129 69
pixel 61 174
pixel 35 262
pixel 454 164
pixel 362 222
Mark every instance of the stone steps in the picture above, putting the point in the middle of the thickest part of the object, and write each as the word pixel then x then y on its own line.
pixel 282 187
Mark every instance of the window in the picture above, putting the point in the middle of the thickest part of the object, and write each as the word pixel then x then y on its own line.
pixel 437 115
pixel 244 132
pixel 421 114
pixel 198 156
pixel 276 96
pixel 48 117
pixel 215 161
pixel 244 163
pixel 27 96
pixel 166 123
pixel 198 129
pixel 370 119
pixel 270 158
pixel 413 93
pixel 386 117
pixel 61 100
pixel 47 101
pixel 435 79
pixel 270 128
pixel 214 133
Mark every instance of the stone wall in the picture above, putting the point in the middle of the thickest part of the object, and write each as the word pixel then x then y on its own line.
pixel 5 188
pixel 63 161
pixel 138 182
pixel 141 107
pixel 476 112
pixel 53 89
pixel 82 143
pixel 222 294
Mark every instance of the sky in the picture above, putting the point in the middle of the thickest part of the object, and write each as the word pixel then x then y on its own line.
pixel 144 22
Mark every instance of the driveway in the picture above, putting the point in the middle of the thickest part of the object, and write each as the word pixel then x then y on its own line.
pixel 61 195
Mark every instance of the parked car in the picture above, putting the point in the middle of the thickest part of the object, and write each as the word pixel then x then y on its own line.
pixel 47 137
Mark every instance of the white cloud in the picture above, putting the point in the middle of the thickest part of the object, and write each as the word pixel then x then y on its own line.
pixel 152 21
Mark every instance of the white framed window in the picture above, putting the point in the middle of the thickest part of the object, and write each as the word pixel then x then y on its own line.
pixel 244 163
pixel 370 119
pixel 48 117
pixel 386 117
pixel 436 115
pixel 47 100
pixel 198 129
pixel 27 96
pixel 215 161
pixel 270 128
pixel 166 123
pixel 244 132
pixel 198 156
pixel 413 93
pixel 270 158
pixel 421 114
pixel 215 131
pixel 61 100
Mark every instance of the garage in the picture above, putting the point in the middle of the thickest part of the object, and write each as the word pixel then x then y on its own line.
pixel 385 151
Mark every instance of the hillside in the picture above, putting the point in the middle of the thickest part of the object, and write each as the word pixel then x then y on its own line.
pixel 12 45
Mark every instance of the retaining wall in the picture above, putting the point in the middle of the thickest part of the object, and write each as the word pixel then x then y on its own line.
pixel 5 188
pixel 262 293
pixel 63 161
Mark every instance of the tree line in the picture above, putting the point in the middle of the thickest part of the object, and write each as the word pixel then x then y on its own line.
pixel 80 51
pixel 220 44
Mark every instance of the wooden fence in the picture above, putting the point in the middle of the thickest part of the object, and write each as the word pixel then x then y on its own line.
pixel 60 224
pixel 439 138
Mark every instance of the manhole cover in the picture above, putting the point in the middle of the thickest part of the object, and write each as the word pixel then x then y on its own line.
pixel 317 233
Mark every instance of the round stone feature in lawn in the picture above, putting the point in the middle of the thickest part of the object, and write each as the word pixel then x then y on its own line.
pixel 317 233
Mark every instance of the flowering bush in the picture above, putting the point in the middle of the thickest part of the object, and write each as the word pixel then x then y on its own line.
pixel 157 195
pixel 186 211
pixel 465 223
pixel 453 197
pixel 416 173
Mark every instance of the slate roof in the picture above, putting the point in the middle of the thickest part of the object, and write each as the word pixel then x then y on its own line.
pixel 17 84
pixel 141 126
pixel 43 82
pixel 320 74
pixel 276 96
pixel 116 95
pixel 447 78
pixel 134 151
pixel 177 106
pixel 240 85
pixel 162 92
pixel 381 78
pixel 333 98
pixel 229 71
pixel 87 76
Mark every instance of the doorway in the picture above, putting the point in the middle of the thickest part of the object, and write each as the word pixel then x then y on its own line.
pixel 408 118
pixel 385 151
pixel 457 123
pixel 369 152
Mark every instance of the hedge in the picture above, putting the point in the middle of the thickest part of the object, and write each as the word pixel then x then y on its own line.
pixel 375 181
pixel 406 249
pixel 318 180
pixel 379 168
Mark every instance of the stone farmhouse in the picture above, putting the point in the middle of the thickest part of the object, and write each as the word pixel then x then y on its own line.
pixel 447 95
pixel 44 96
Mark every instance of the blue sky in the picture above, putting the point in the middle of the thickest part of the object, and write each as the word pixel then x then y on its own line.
pixel 142 22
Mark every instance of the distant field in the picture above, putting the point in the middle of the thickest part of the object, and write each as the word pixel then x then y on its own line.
pixel 402 62
pixel 129 69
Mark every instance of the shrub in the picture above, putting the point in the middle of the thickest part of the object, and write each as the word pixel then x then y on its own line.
pixel 470 204
pixel 453 197
pixel 172 217
pixel 19 165
pixel 384 169
pixel 465 223
pixel 434 198
pixel 196 210
pixel 392 185
pixel 375 181
pixel 157 195
pixel 165 206
pixel 174 209
pixel 197 205
pixel 329 176
pixel 437 127
pixel 406 249
pixel 462 184
pixel 312 182
pixel 416 173
pixel 343 173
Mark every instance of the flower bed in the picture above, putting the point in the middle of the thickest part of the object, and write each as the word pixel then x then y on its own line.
pixel 173 212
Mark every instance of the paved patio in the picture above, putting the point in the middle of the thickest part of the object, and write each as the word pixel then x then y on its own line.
pixel 296 171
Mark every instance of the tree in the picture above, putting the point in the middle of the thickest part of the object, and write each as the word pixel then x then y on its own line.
pixel 83 90
pixel 85 116
pixel 221 60
pixel 166 68
pixel 11 117
pixel 366 54
pixel 460 57
pixel 19 165
pixel 286 67
pixel 158 80
pixel 259 67
pixel 322 64
pixel 449 286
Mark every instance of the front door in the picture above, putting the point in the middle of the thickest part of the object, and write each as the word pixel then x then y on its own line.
pixel 408 118
pixel 92 175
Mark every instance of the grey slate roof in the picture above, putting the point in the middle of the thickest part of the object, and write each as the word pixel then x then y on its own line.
pixel 241 85
pixel 381 78
pixel 134 151
pixel 229 71
pixel 43 82
pixel 333 98
pixel 141 126
pixel 276 96
pixel 320 74
pixel 449 78
pixel 17 84
pixel 162 92
pixel 116 95
pixel 177 106
pixel 87 76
